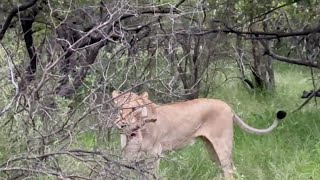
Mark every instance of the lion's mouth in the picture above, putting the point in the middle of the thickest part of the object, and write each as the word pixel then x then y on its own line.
pixel 134 134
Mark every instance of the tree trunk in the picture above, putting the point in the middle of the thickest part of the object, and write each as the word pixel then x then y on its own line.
pixel 190 71
pixel 262 66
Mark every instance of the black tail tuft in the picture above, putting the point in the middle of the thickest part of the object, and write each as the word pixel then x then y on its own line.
pixel 281 115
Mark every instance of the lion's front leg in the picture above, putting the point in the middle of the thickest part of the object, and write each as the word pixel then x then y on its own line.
pixel 133 152
pixel 146 157
pixel 155 153
pixel 132 146
pixel 152 161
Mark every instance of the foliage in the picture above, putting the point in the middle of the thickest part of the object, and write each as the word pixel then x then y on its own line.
pixel 60 61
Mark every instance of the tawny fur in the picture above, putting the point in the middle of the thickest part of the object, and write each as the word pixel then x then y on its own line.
pixel 179 124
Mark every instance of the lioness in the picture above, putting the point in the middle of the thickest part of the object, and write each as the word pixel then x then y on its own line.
pixel 154 129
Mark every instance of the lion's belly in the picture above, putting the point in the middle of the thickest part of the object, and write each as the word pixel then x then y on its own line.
pixel 176 143
pixel 179 135
pixel 179 124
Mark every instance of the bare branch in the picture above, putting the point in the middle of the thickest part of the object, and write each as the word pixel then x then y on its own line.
pixel 179 3
pixel 258 34
pixel 13 13
pixel 13 80
pixel 313 94
pixel 274 9
pixel 289 60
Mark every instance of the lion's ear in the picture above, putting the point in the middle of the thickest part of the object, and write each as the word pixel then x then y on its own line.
pixel 145 95
pixel 115 93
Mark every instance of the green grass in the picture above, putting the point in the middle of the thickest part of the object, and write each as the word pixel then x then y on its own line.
pixel 292 151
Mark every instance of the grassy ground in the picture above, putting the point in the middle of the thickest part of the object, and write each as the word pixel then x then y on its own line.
pixel 291 152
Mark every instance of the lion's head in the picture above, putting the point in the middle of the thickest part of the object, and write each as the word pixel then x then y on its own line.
pixel 134 111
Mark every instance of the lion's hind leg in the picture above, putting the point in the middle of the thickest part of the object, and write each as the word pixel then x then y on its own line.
pixel 220 150
pixel 211 151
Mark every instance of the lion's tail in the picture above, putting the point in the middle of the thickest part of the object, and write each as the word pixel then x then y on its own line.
pixel 280 116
